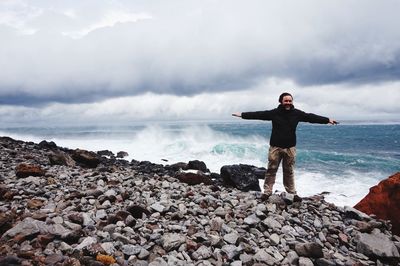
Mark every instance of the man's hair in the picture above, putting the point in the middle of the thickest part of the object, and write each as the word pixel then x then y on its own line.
pixel 283 95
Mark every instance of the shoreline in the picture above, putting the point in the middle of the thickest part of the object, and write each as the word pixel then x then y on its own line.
pixel 112 211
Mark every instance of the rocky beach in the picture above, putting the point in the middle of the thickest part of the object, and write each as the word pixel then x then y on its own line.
pixel 60 206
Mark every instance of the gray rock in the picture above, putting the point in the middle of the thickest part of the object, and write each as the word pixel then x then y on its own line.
pixel 305 262
pixel 272 223
pixel 252 219
pixel 263 256
pixel 27 227
pixel 312 250
pixel 291 258
pixel 173 241
pixel 376 245
pixel 86 242
pixel 275 239
pixel 131 249
pixel 157 207
pixel 355 214
pixel 202 253
pixel 231 238
pixel 231 251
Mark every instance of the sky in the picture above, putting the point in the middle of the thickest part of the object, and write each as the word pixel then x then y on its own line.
pixel 114 61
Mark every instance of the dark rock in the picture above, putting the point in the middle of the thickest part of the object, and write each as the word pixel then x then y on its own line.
pixel 24 170
pixel 76 218
pixel 177 166
pixel 61 158
pixel 10 261
pixel 241 176
pixel 122 154
pixel 311 250
pixel 106 153
pixel 193 178
pixel 137 211
pixel 47 145
pixel 197 165
pixel 53 259
pixel 86 158
pixel 383 200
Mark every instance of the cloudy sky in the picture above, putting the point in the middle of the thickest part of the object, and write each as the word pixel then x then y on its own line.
pixel 116 61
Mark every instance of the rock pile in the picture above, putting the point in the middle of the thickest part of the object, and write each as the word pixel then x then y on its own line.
pixel 96 209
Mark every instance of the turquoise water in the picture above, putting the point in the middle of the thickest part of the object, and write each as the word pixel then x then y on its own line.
pixel 345 160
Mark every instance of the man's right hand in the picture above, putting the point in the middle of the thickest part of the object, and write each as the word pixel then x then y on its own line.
pixel 237 114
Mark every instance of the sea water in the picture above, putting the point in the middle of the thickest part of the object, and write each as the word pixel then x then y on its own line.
pixel 344 160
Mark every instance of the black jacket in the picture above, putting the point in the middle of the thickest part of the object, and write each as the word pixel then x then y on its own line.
pixel 284 123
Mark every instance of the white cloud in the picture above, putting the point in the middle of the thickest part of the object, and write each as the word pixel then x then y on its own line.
pixel 223 53
pixel 339 102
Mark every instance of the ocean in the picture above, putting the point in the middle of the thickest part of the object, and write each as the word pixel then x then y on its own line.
pixel 344 160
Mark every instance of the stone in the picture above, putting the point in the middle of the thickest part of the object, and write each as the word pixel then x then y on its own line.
pixel 202 253
pixel 86 158
pixel 305 262
pixel 262 256
pixel 173 241
pixel 252 220
pixel 122 154
pixel 193 178
pixel 86 242
pixel 24 170
pixel 197 165
pixel 241 176
pixel 383 200
pixel 26 228
pixel 231 238
pixel 311 250
pixel 61 158
pixel 376 245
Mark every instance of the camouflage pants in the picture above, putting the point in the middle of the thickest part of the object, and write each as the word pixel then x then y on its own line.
pixel 275 156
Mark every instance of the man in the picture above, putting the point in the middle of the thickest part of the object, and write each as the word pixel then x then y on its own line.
pixel 284 119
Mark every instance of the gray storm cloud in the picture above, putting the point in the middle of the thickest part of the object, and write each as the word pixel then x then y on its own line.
pixel 70 55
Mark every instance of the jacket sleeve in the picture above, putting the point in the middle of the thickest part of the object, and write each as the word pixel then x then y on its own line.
pixel 313 118
pixel 259 115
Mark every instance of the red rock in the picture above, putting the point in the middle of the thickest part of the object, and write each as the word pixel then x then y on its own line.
pixel 383 200
pixel 193 179
pixel 24 170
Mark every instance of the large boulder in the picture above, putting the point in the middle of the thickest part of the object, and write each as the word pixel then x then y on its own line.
pixel 383 200
pixel 242 176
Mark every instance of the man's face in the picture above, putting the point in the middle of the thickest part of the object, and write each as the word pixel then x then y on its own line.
pixel 287 102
